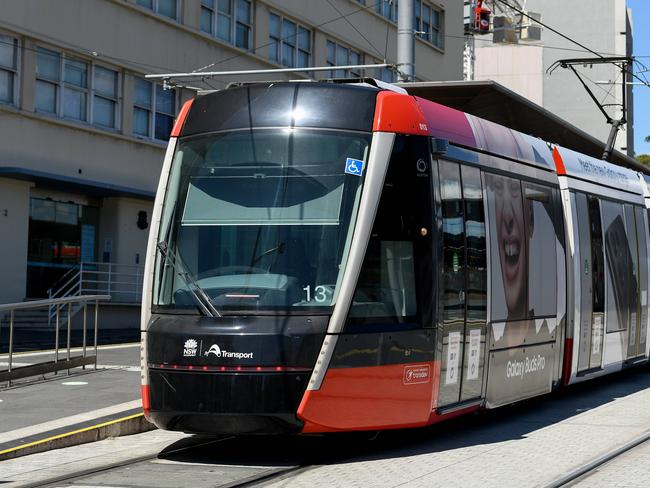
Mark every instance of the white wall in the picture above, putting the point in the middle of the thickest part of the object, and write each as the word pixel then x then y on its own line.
pixel 118 224
pixel 518 67
pixel 14 226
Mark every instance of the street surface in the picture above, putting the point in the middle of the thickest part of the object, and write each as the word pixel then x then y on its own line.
pixel 530 444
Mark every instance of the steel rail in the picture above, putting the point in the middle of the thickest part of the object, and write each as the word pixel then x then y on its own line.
pixel 242 483
pixel 585 469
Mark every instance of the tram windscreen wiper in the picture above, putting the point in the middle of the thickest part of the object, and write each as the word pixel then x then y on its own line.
pixel 203 301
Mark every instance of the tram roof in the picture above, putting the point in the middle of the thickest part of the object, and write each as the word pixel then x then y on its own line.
pixel 494 102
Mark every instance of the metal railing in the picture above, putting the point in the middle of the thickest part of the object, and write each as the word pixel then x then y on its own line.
pixel 58 363
pixel 122 281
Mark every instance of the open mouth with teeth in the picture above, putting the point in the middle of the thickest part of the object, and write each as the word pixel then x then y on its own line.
pixel 511 253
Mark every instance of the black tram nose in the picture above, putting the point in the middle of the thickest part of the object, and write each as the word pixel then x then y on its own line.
pixel 231 374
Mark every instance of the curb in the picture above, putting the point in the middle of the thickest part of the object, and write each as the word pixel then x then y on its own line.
pixel 132 424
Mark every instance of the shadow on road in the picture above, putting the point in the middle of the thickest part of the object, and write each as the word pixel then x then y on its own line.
pixel 503 424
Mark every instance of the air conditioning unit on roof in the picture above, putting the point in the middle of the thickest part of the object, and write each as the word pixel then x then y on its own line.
pixel 531 30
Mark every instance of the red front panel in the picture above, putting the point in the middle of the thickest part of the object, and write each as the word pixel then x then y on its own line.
pixel 369 398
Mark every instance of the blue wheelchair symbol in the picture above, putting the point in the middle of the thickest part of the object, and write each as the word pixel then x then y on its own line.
pixel 353 166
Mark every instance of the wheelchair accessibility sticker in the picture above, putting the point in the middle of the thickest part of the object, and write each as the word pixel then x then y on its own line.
pixel 353 166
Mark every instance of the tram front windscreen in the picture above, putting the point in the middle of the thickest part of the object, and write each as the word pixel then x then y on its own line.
pixel 259 220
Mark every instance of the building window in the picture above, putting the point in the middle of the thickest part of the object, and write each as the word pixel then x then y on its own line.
pixel 63 89
pixel 168 8
pixel 388 9
pixel 384 74
pixel 428 23
pixel 153 110
pixel 228 20
pixel 207 15
pixel 105 97
pixel 289 43
pixel 8 71
pixel 338 55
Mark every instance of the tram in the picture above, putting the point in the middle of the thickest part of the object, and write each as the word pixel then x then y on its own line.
pixel 329 256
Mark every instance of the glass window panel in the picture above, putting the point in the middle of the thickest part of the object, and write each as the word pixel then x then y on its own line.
pixel 274 50
pixel 435 18
pixel 508 245
pixel 331 52
pixel 224 6
pixel 453 237
pixel 244 11
pixel 304 39
pixel 597 257
pixel 354 58
pixel 104 112
pixel 242 34
pixel 288 32
pixel 164 125
pixel 274 25
pixel 303 59
pixel 287 54
pixel 106 81
pixel 141 121
pixel 146 3
pixel 142 92
pixel 42 209
pixel 618 266
pixel 67 213
pixel 208 3
pixel 8 51
pixel 6 86
pixel 74 104
pixel 45 97
pixel 165 100
pixel 426 30
pixel 540 232
pixel 76 73
pixel 223 27
pixel 48 64
pixel 342 55
pixel 206 20
pixel 167 8
pixel 475 248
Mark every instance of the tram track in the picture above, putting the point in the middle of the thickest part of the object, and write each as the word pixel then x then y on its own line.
pixel 583 472
pixel 186 459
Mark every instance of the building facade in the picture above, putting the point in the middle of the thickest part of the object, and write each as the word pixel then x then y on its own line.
pixel 83 133
pixel 605 27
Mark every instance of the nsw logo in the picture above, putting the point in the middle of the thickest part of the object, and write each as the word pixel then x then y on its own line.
pixel 190 348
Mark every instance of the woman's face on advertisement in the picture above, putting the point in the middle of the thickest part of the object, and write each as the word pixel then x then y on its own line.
pixel 510 240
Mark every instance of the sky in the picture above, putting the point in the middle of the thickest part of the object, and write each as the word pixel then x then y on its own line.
pixel 640 20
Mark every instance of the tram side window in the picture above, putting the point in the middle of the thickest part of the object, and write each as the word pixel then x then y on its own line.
pixel 523 243
pixel 619 267
pixel 597 257
pixel 386 286
pixel 453 239
pixel 507 248
pixel 542 248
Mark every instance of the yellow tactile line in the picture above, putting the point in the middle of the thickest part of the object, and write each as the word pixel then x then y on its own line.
pixel 67 434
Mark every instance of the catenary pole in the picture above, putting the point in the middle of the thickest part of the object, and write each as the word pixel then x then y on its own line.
pixel 406 40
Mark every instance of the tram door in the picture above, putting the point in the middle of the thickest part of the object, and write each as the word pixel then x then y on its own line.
pixel 462 293
pixel 591 280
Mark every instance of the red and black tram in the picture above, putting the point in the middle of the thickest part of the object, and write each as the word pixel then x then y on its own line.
pixel 330 256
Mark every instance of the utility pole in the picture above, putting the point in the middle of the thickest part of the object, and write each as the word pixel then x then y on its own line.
pixel 406 40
